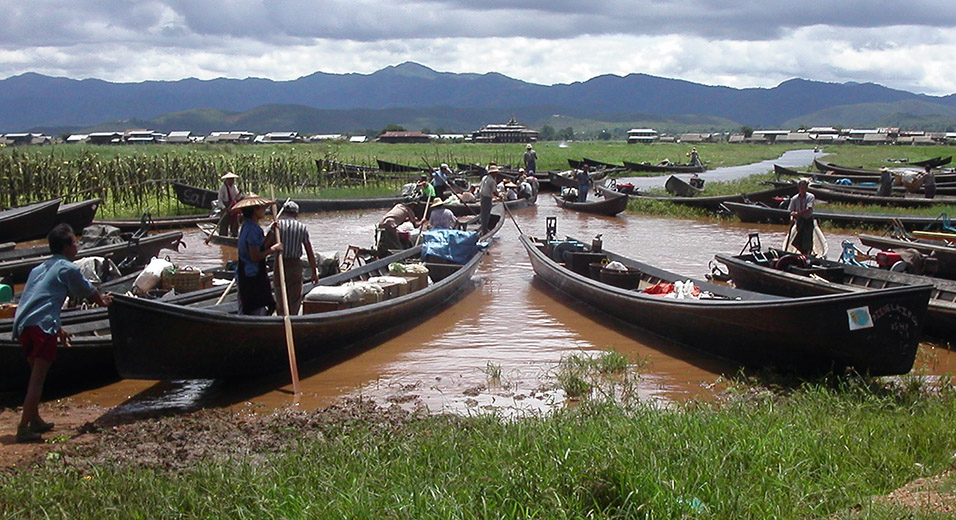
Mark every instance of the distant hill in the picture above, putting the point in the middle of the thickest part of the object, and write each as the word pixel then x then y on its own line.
pixel 905 114
pixel 337 102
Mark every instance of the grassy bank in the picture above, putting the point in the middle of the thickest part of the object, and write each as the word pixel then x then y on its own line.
pixel 821 451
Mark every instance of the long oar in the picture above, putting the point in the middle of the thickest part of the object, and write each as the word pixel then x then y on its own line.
pixel 286 319
pixel 790 234
pixel 424 219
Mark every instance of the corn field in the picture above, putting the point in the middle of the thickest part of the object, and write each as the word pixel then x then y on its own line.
pixel 139 180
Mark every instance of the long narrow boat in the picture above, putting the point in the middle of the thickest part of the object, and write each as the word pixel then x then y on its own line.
pixel 610 204
pixel 91 353
pixel 78 214
pixel 202 198
pixel 133 253
pixel 680 188
pixel 128 225
pixel 941 179
pixel 824 166
pixel 874 332
pixel 757 273
pixel 945 255
pixel 762 213
pixel 916 201
pixel 714 202
pixel 934 162
pixel 28 222
pixel 155 340
pixel 568 179
pixel 392 167
pixel 601 164
pixel 658 168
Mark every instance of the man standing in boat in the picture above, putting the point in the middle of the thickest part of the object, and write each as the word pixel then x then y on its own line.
pixel 295 238
pixel 530 160
pixel 801 216
pixel 255 291
pixel 886 183
pixel 584 180
pixel 929 183
pixel 37 325
pixel 694 158
pixel 228 197
pixel 487 190
pixel 440 180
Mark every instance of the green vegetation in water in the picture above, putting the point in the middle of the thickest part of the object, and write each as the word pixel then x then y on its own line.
pixel 815 451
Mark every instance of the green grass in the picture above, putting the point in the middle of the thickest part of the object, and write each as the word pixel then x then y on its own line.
pixel 818 451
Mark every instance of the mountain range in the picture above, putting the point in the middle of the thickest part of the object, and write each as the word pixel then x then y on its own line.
pixel 416 96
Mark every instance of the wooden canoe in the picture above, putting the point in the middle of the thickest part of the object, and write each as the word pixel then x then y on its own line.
pixel 91 355
pixel 128 255
pixel 28 222
pixel 915 201
pixel 824 166
pixel 156 340
pixel 829 277
pixel 714 202
pixel 945 255
pixel 874 332
pixel 594 164
pixel 941 179
pixel 203 198
pixel 762 213
pixel 392 167
pixel 681 188
pixel 568 178
pixel 78 214
pixel 672 168
pixel 129 225
pixel 610 204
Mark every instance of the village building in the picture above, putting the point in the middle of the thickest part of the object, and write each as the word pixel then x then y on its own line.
pixel 143 137
pixel 25 138
pixel 511 132
pixel 358 139
pixel 233 137
pixel 642 136
pixel 77 138
pixel 180 137
pixel 105 138
pixel 767 136
pixel 403 137
pixel 278 138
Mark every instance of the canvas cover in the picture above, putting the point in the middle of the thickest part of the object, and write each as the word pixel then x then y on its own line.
pixel 450 244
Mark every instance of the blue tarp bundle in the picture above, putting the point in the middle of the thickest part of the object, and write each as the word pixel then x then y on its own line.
pixel 451 244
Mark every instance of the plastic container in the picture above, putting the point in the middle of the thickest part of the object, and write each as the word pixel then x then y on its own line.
pixel 6 293
pixel 629 279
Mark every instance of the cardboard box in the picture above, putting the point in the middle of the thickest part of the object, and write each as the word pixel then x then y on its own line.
pixel 416 282
pixel 7 310
pixel 310 307
pixel 393 289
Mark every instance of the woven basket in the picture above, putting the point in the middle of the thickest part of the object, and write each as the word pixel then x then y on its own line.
pixel 185 280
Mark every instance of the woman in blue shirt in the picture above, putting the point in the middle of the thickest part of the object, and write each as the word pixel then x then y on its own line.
pixel 255 291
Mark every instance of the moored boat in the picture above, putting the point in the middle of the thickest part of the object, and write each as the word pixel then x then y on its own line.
pixel 681 188
pixel 763 213
pixel 155 340
pixel 129 254
pixel 128 225
pixel 610 204
pixel 945 255
pixel 78 214
pixel 28 222
pixel 664 168
pixel 203 198
pixel 757 272
pixel 873 332
pixel 714 202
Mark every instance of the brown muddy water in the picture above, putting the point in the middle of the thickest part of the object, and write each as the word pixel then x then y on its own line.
pixel 510 323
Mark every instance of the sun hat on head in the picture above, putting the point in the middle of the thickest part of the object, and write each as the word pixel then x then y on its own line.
pixel 436 202
pixel 443 165
pixel 228 175
pixel 520 170
pixel 492 169
pixel 529 146
pixel 803 182
pixel 510 184
pixel 252 200
pixel 290 207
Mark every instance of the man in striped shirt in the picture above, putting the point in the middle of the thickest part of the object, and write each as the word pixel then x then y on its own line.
pixel 295 237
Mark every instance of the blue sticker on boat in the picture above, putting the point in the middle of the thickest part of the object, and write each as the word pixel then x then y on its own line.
pixel 859 318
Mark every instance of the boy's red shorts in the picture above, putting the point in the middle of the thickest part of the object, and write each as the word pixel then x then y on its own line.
pixel 38 344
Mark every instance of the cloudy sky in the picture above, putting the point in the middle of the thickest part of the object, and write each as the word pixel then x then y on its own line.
pixel 738 43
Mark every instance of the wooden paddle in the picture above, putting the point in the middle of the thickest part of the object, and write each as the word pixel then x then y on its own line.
pixel 424 220
pixel 286 319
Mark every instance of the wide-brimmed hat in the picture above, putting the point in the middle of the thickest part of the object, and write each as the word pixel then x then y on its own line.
pixel 510 184
pixel 529 146
pixel 228 175
pixel 493 169
pixel 252 200
pixel 436 202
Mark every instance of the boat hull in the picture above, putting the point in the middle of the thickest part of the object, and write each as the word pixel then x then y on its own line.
pixel 801 335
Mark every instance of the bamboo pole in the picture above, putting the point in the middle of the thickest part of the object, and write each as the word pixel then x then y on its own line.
pixel 286 319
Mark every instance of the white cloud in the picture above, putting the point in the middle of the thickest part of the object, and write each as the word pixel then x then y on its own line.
pixel 735 43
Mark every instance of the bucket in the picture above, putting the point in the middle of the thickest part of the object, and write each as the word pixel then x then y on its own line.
pixel 579 261
pixel 629 279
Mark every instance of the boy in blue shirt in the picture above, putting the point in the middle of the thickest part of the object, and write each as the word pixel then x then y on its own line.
pixel 36 323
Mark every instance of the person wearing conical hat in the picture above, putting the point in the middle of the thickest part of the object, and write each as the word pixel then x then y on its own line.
pixel 228 197
pixel 255 291
pixel 530 159
pixel 440 217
